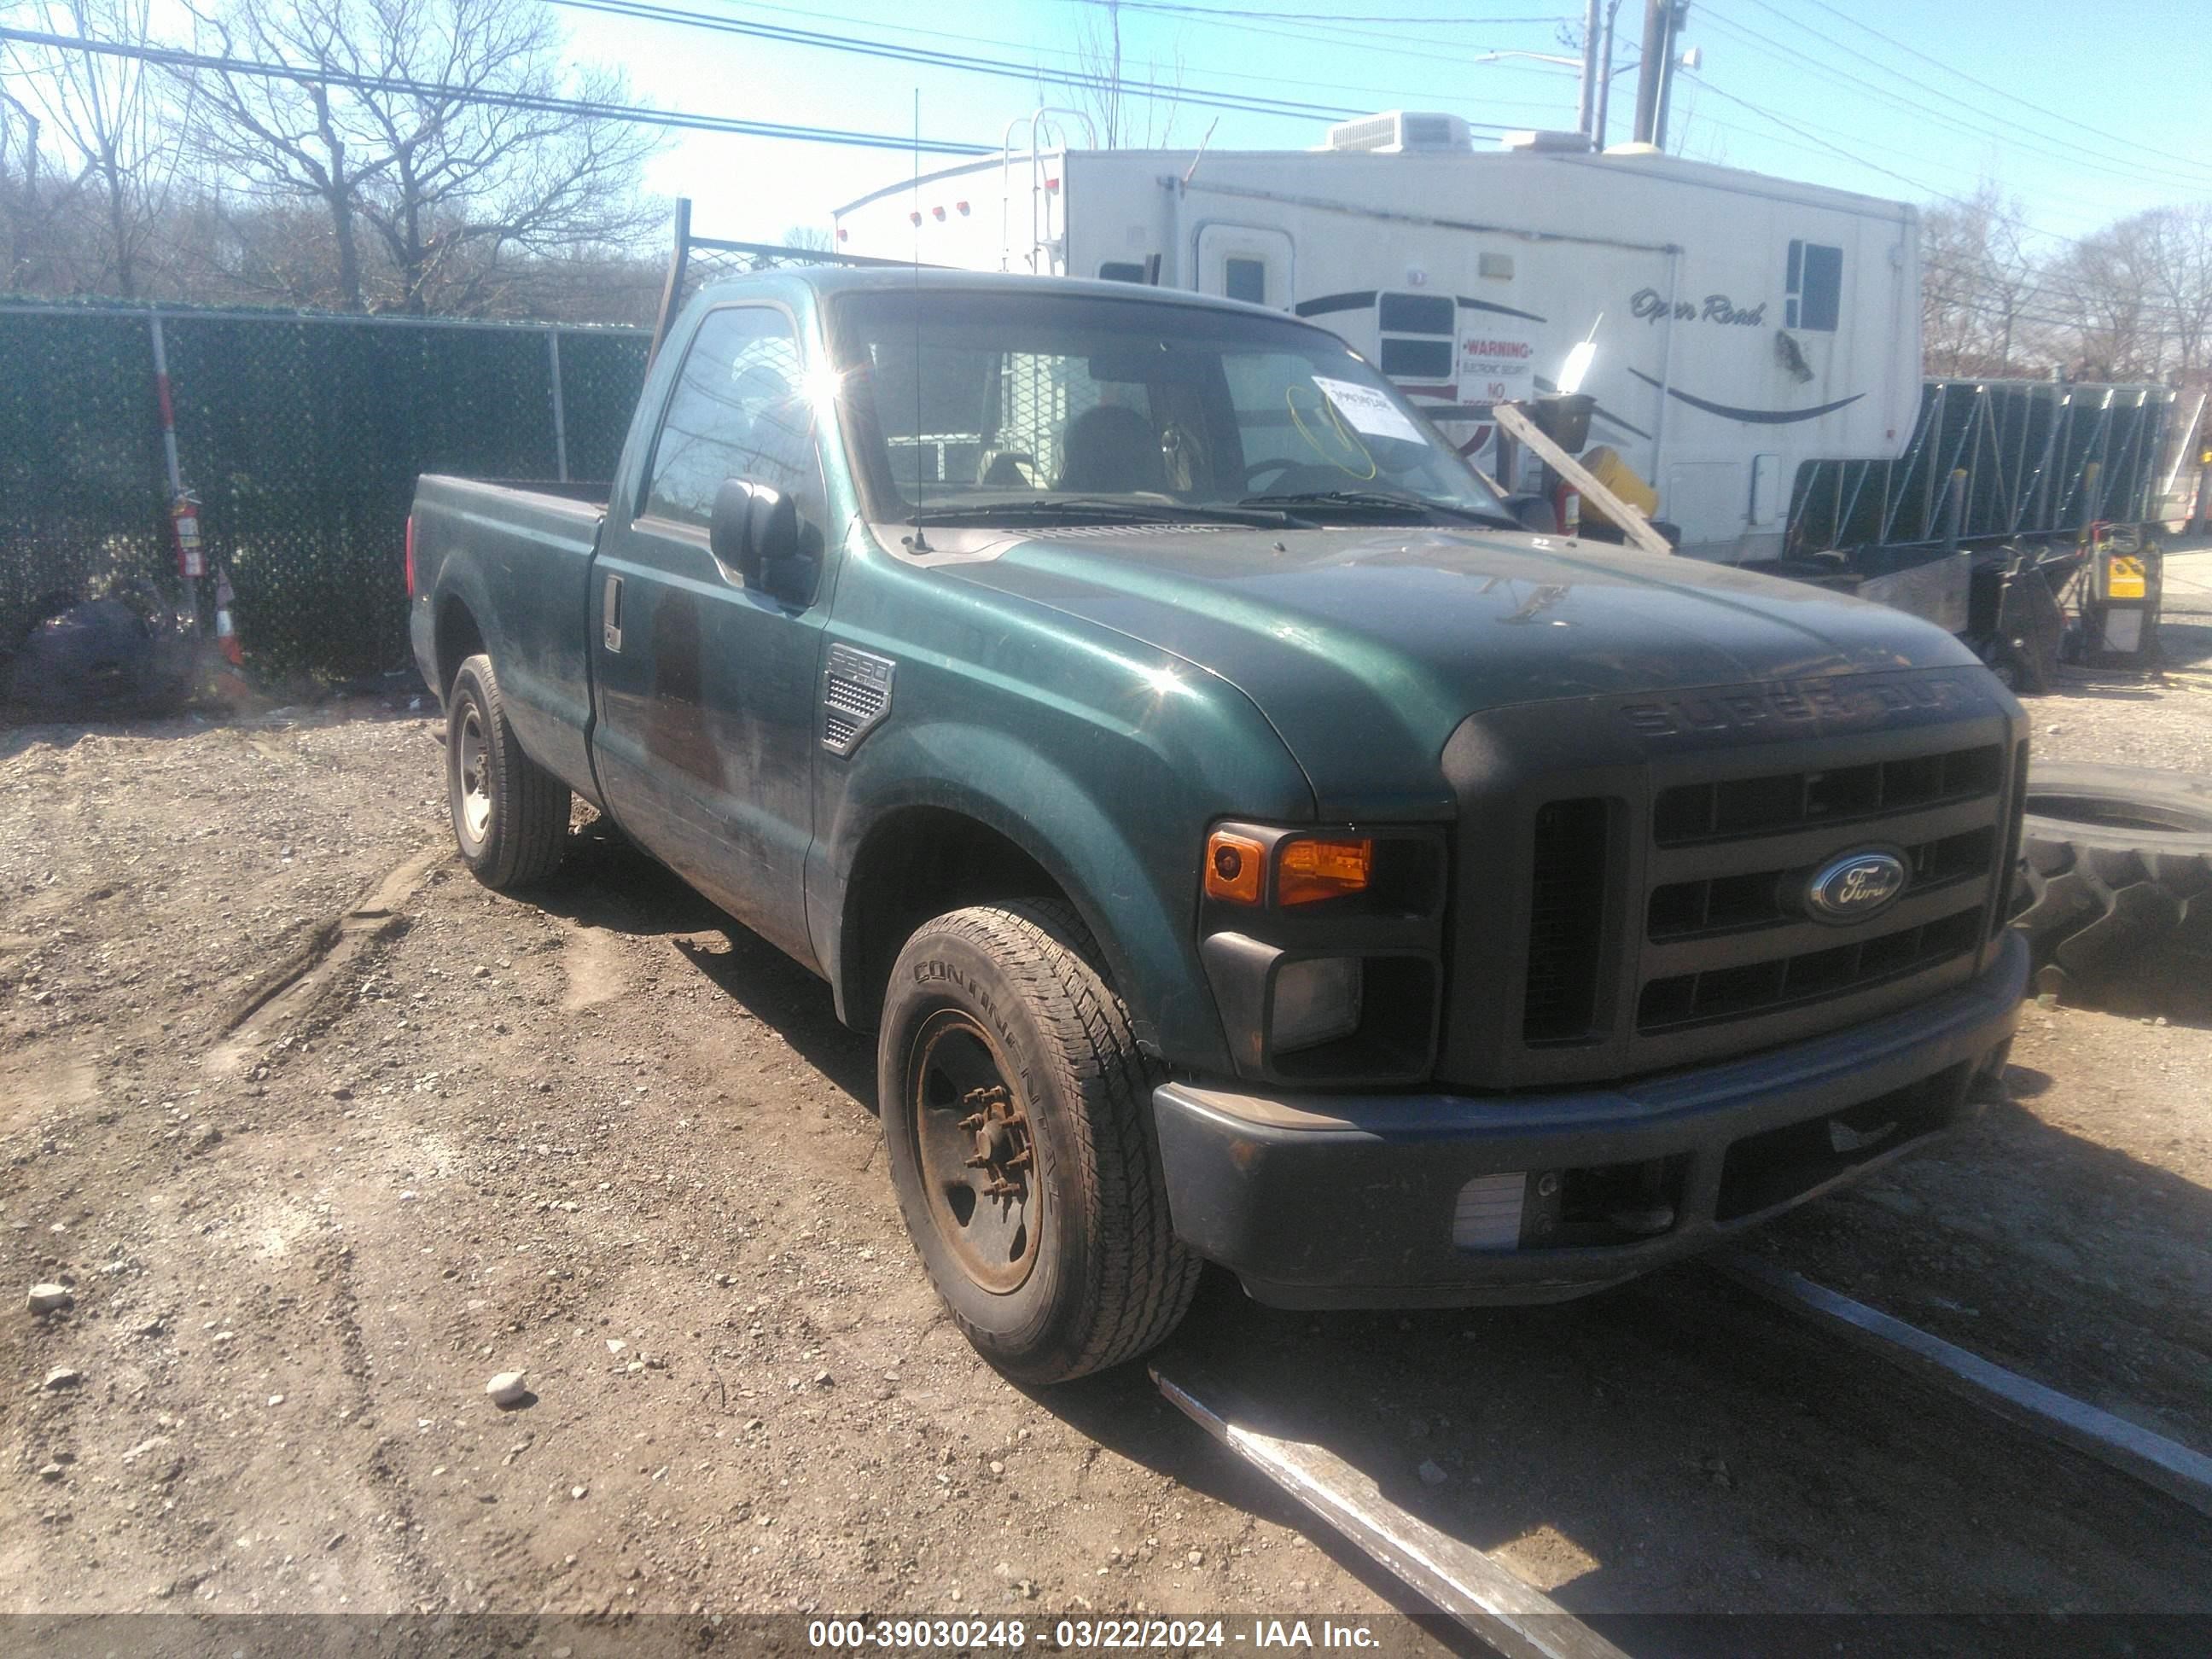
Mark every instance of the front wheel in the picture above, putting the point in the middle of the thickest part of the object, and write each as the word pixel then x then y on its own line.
pixel 510 814
pixel 1017 1114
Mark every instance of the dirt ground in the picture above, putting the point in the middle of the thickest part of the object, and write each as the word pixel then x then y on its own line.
pixel 603 1136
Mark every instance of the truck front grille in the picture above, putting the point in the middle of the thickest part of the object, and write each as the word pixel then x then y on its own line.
pixel 1635 878
pixel 1756 987
pixel 1692 812
pixel 1712 904
pixel 1567 920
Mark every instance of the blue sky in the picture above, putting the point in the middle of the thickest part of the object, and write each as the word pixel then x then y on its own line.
pixel 2083 113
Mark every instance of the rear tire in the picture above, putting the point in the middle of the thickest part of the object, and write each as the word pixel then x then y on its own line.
pixel 510 814
pixel 1002 1042
pixel 2119 870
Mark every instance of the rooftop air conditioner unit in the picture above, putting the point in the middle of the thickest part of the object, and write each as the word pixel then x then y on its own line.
pixel 1401 132
pixel 1546 142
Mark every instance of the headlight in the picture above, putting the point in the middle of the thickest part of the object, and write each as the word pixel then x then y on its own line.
pixel 1316 1001
pixel 1323 947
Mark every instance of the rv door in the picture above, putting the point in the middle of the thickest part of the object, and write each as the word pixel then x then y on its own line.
pixel 1244 262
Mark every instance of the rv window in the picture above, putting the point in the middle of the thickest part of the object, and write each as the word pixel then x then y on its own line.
pixel 1121 270
pixel 1416 314
pixel 1418 360
pixel 1815 287
pixel 1245 279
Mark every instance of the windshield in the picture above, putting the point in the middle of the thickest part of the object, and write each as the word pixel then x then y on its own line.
pixel 991 407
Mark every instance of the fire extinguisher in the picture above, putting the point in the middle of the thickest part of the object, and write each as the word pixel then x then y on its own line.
pixel 184 520
pixel 1567 509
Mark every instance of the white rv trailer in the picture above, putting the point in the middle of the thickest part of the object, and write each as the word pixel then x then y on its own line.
pixel 1744 325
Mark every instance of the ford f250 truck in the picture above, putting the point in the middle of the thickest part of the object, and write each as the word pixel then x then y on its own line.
pixel 1246 842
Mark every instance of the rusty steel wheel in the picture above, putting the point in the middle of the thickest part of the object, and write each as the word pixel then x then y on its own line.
pixel 1017 1112
pixel 976 1154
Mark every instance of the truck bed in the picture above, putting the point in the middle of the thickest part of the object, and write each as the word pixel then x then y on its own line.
pixel 519 553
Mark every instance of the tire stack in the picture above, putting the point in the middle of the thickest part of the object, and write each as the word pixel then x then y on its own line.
pixel 2119 870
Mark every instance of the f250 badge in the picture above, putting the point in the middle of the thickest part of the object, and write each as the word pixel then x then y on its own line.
pixel 1855 886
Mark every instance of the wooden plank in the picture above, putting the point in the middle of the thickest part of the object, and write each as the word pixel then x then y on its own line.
pixel 2151 1458
pixel 1637 528
pixel 1516 1619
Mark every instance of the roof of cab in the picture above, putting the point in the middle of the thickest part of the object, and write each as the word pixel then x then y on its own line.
pixel 827 280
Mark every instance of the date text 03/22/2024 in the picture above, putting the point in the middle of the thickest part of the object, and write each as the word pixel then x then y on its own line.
pixel 1092 1635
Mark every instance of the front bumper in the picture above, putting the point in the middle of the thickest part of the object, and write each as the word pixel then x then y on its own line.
pixel 1432 1199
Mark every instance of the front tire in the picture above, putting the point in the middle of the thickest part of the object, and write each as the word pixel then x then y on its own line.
pixel 510 814
pixel 1017 1114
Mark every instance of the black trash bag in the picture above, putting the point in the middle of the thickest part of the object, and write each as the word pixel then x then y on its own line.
pixel 104 656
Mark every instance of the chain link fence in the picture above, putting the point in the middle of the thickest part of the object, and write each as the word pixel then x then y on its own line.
pixel 301 436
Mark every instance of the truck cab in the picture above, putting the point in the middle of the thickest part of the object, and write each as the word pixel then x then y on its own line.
pixel 1245 842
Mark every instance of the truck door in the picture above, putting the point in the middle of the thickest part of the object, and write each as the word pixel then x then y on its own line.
pixel 706 687
pixel 1244 262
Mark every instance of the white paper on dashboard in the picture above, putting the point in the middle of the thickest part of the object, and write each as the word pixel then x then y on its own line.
pixel 1368 409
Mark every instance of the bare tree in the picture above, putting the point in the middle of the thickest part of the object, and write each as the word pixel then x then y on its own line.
pixel 1978 274
pixel 2178 249
pixel 27 205
pixel 119 116
pixel 445 143
pixel 1126 116
pixel 2103 294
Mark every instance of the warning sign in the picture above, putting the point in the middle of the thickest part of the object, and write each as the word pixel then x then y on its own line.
pixel 1496 360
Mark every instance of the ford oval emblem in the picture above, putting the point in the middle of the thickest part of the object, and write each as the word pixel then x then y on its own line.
pixel 1855 886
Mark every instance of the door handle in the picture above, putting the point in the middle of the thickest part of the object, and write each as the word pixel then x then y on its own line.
pixel 611 614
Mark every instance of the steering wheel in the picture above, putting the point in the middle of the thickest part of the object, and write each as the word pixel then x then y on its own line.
pixel 1254 471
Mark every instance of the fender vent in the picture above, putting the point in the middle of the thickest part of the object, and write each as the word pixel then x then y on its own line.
pixel 856 695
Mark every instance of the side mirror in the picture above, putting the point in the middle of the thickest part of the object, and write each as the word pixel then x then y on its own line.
pixel 753 532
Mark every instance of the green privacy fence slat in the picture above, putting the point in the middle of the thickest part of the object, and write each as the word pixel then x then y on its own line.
pixel 302 437
pixel 2041 458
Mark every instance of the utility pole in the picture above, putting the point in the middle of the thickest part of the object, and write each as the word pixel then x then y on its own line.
pixel 1586 109
pixel 1662 20
pixel 1604 78
pixel 1677 14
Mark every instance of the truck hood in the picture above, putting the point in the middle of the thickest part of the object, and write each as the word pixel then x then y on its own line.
pixel 1366 648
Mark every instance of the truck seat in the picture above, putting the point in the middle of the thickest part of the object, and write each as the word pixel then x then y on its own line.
pixel 1112 449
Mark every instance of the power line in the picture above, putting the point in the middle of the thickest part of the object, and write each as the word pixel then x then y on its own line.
pixel 1815 139
pixel 1377 40
pixel 1818 145
pixel 2041 290
pixel 1433 19
pixel 2115 167
pixel 2074 122
pixel 819 15
pixel 636 115
pixel 1000 68
pixel 1396 46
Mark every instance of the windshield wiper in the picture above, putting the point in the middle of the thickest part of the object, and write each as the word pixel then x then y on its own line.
pixel 1082 510
pixel 1388 499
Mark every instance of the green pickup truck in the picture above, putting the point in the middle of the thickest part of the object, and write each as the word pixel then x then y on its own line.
pixel 1248 843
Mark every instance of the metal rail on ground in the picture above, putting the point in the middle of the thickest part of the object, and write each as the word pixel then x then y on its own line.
pixel 1516 1619
pixel 2151 1458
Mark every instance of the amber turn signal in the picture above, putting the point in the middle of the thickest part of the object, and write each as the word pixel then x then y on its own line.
pixel 1307 871
pixel 1235 866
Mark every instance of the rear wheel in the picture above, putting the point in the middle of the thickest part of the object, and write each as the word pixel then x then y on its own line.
pixel 1017 1114
pixel 2119 866
pixel 510 814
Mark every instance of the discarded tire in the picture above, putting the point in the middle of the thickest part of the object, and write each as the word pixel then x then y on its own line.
pixel 2118 867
